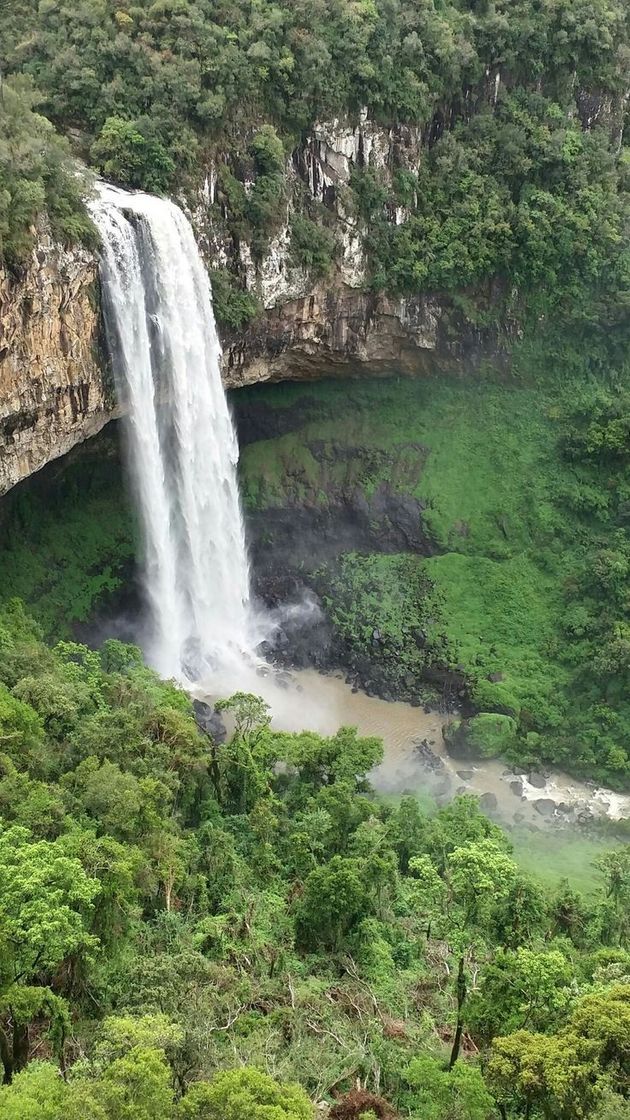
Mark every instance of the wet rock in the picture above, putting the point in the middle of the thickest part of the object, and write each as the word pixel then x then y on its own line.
pixel 209 721
pixel 443 791
pixel 517 787
pixel 546 806
pixel 465 775
pixel 585 816
pixel 488 802
pixel 518 818
pixel 537 780
pixel 429 758
pixel 460 790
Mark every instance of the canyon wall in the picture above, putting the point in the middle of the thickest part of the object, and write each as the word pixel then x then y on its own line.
pixel 55 385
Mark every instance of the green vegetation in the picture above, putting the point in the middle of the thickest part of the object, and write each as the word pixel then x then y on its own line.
pixel 384 611
pixel 233 307
pixel 37 175
pixel 516 200
pixel 487 735
pixel 68 537
pixel 519 192
pixel 523 491
pixel 194 930
pixel 201 931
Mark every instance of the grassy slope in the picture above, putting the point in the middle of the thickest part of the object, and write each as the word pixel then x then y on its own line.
pixel 482 456
pixel 485 458
pixel 67 537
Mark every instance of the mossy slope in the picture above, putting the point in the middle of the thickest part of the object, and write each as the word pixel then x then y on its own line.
pixel 503 507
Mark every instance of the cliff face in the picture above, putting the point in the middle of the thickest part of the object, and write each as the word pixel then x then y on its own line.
pixel 53 384
pixel 335 326
pixel 340 331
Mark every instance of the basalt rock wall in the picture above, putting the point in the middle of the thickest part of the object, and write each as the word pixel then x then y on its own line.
pixel 54 385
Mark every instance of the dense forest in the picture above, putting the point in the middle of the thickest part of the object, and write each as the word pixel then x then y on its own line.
pixel 519 203
pixel 232 924
pixel 195 928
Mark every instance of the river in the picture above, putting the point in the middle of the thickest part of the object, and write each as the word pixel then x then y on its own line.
pixel 416 759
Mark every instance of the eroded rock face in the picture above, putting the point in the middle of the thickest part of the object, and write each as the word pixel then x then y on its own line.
pixel 53 382
pixel 335 325
pixel 55 387
pixel 339 330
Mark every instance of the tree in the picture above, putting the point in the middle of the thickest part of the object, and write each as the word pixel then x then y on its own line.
pixel 476 878
pixel 132 155
pixel 45 901
pixel 436 1093
pixel 245 1094
pixel 603 1018
pixel 241 767
pixel 557 1073
pixel 40 1093
pixel 137 1086
pixel 615 866
pixel 334 901
pixel 519 989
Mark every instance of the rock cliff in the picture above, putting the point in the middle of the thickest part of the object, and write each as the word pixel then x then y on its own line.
pixel 54 383
pixel 335 326
pixel 54 390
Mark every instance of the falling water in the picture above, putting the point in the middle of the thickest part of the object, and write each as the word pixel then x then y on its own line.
pixel 182 445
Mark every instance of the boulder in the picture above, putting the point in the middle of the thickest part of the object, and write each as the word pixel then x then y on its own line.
pixel 429 758
pixel 209 721
pixel 537 780
pixel 488 802
pixel 546 806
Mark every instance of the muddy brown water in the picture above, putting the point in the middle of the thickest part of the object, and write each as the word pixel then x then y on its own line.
pixel 415 756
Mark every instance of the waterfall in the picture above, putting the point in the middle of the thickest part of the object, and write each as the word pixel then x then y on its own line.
pixel 182 445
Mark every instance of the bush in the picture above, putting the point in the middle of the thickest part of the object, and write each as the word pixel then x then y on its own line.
pixel 486 735
pixel 312 246
pixel 234 308
pixel 132 157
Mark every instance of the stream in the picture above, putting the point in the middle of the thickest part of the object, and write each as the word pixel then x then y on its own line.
pixel 416 759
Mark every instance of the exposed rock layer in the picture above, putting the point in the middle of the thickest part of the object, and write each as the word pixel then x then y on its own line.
pixel 54 389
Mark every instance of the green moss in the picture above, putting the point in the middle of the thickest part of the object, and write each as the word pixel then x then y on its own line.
pixel 487 735
pixel 514 520
pixel 68 538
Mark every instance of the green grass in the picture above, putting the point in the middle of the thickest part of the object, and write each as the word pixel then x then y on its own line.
pixel 478 454
pixel 68 537
pixel 502 617
pixel 510 517
pixel 563 855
